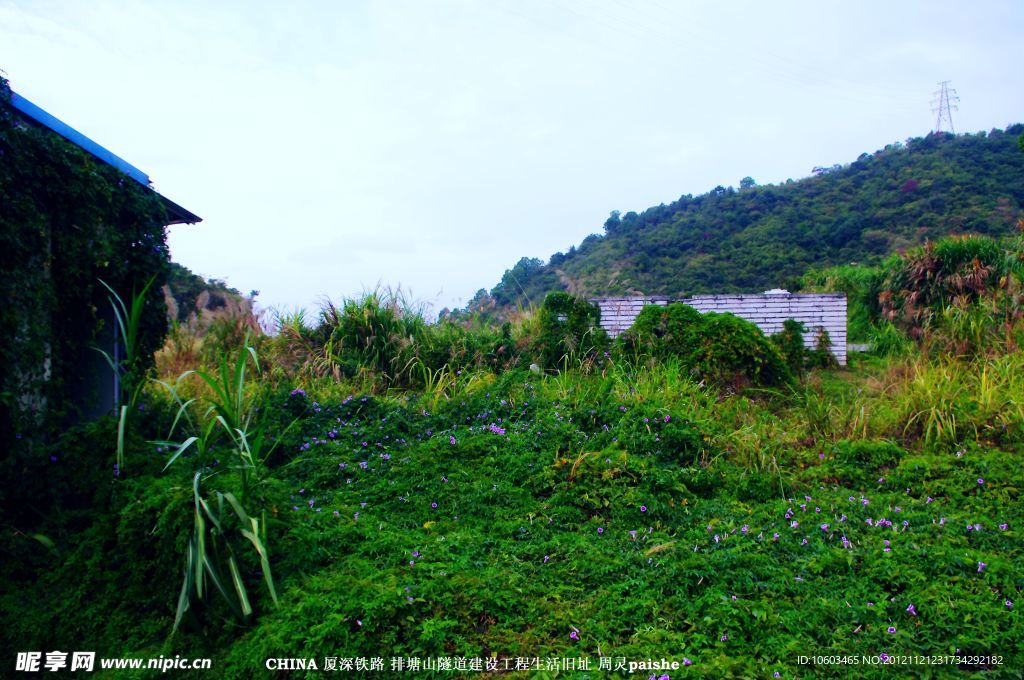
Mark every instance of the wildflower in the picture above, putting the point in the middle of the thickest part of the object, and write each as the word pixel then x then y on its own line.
pixel 1003 527
pixel 687 662
pixel 415 553
pixel 633 534
pixel 643 508
pixel 929 500
pixel 363 464
pixel 600 530
pixel 980 480
pixel 775 537
pixel 451 440
pixel 356 516
pixel 1009 604
pixel 667 418
pixel 911 610
pixel 981 566
pixel 724 637
pixel 433 505
pixel 547 558
pixel 824 527
pixel 574 635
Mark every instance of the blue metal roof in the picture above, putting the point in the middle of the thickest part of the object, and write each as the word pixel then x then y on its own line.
pixel 175 212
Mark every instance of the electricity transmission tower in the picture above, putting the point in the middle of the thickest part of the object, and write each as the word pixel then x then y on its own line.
pixel 944 105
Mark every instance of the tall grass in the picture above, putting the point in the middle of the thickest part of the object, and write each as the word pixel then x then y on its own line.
pixel 125 367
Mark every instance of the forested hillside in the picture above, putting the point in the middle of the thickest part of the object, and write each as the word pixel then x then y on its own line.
pixel 758 237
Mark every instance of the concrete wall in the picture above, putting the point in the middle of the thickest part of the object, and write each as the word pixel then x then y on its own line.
pixel 767 311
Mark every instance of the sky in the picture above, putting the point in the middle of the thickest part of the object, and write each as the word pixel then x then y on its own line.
pixel 334 147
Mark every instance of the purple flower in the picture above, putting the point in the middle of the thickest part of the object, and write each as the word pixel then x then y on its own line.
pixel 643 508
pixel 911 610
pixel 668 418
pixel 433 505
pixel 981 567
pixel 724 637
pixel 600 530
pixel 546 558
pixel 1009 604
pixel 451 440
pixel 980 480
pixel 1003 527
pixel 892 629
pixel 574 635
pixel 687 662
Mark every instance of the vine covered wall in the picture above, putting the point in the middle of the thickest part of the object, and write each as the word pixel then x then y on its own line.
pixel 67 221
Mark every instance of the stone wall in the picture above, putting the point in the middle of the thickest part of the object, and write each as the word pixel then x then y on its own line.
pixel 768 311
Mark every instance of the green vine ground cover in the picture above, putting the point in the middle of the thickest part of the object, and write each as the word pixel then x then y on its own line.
pixel 620 514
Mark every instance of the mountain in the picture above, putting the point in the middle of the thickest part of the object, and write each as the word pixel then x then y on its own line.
pixel 759 237
pixel 189 296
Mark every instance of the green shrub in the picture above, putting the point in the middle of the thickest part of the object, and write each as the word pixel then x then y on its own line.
pixel 721 349
pixel 790 342
pixel 570 329
pixel 863 462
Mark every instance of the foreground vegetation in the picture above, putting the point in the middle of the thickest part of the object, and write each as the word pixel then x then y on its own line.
pixel 376 486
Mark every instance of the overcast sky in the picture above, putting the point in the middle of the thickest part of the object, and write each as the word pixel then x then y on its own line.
pixel 333 146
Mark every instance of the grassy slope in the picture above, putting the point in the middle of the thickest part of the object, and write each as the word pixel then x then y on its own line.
pixel 532 536
pixel 560 525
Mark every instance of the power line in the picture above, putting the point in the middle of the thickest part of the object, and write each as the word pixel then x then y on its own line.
pixel 944 105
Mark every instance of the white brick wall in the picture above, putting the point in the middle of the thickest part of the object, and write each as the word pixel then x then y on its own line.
pixel 768 312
